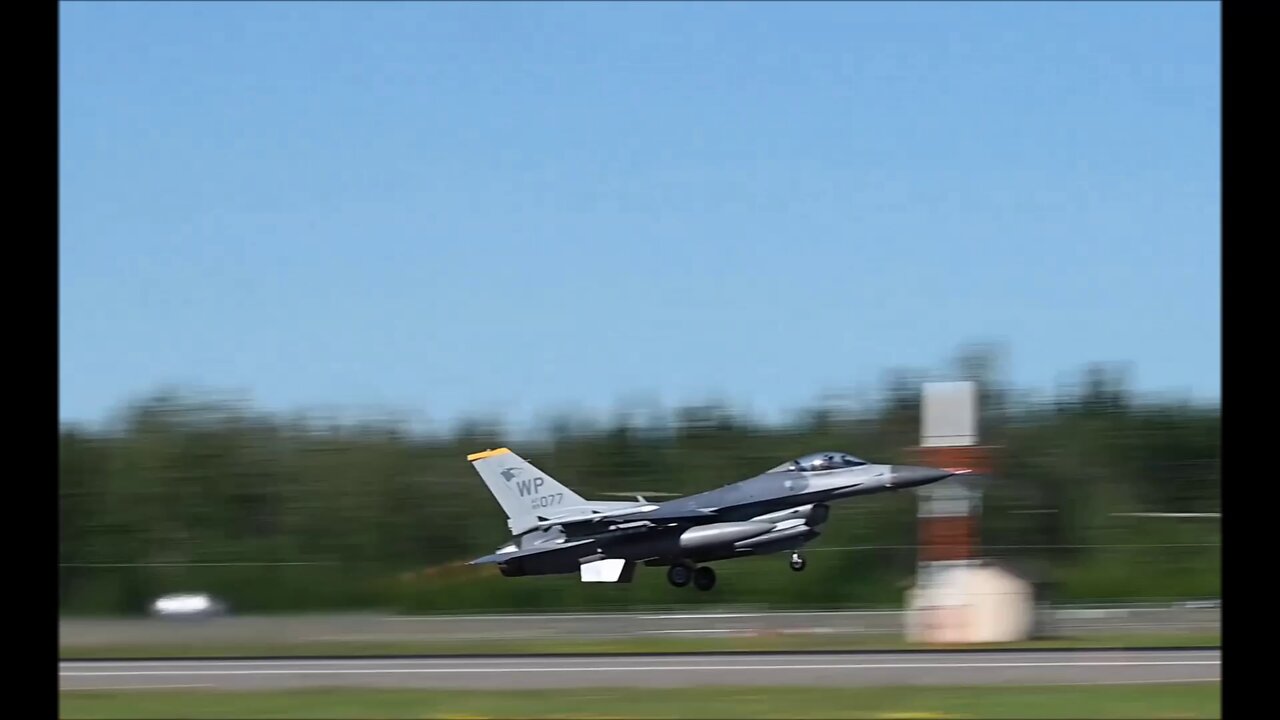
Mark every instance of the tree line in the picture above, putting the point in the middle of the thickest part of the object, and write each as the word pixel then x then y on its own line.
pixel 275 513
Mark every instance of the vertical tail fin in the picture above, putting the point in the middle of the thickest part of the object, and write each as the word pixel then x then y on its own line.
pixel 523 491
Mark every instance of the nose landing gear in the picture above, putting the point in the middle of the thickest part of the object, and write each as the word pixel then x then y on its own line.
pixel 797 562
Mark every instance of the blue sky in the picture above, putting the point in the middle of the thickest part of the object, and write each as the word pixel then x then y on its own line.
pixel 448 209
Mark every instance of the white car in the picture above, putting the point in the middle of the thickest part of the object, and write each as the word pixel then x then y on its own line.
pixel 187 605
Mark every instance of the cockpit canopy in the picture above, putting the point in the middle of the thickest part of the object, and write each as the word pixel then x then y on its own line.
pixel 819 461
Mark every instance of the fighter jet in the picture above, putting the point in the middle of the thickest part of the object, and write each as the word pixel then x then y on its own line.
pixel 555 531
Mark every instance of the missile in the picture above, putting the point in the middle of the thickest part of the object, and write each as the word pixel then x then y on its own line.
pixel 815 514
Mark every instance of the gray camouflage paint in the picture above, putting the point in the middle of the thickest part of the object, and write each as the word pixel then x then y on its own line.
pixel 555 529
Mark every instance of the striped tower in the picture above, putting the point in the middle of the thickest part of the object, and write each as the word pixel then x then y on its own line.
pixel 948 512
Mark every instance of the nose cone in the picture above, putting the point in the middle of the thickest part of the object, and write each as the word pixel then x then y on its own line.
pixel 905 476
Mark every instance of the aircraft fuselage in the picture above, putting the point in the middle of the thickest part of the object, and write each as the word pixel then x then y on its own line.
pixel 769 513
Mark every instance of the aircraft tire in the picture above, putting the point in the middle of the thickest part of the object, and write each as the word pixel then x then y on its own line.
pixel 704 578
pixel 797 562
pixel 679 575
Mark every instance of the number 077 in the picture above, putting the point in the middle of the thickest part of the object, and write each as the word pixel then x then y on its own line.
pixel 543 501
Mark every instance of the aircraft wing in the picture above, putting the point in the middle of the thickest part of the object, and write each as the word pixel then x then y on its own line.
pixel 535 550
pixel 644 513
pixel 670 515
pixel 648 514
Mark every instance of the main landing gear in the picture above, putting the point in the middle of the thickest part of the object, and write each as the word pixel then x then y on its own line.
pixel 797 562
pixel 679 575
pixel 703 577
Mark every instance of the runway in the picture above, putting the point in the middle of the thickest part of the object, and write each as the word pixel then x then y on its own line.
pixel 547 672
pixel 1058 621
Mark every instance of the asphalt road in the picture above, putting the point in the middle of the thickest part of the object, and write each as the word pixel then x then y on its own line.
pixel 543 672
pixel 727 622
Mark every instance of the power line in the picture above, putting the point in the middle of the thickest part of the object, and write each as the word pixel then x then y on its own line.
pixel 194 564
pixel 1170 514
pixel 830 549
pixel 1022 547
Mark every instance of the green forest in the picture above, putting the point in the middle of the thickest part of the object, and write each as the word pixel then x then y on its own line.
pixel 277 512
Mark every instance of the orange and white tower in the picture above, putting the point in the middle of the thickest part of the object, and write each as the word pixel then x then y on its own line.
pixel 956 599
pixel 949 512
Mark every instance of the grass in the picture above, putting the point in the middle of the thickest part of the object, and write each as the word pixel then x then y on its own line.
pixel 1187 700
pixel 761 643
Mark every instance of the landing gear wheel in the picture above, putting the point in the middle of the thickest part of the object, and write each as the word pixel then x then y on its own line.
pixel 679 575
pixel 704 578
pixel 797 562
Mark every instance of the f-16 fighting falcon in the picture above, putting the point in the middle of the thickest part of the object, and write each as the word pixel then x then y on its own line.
pixel 555 531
